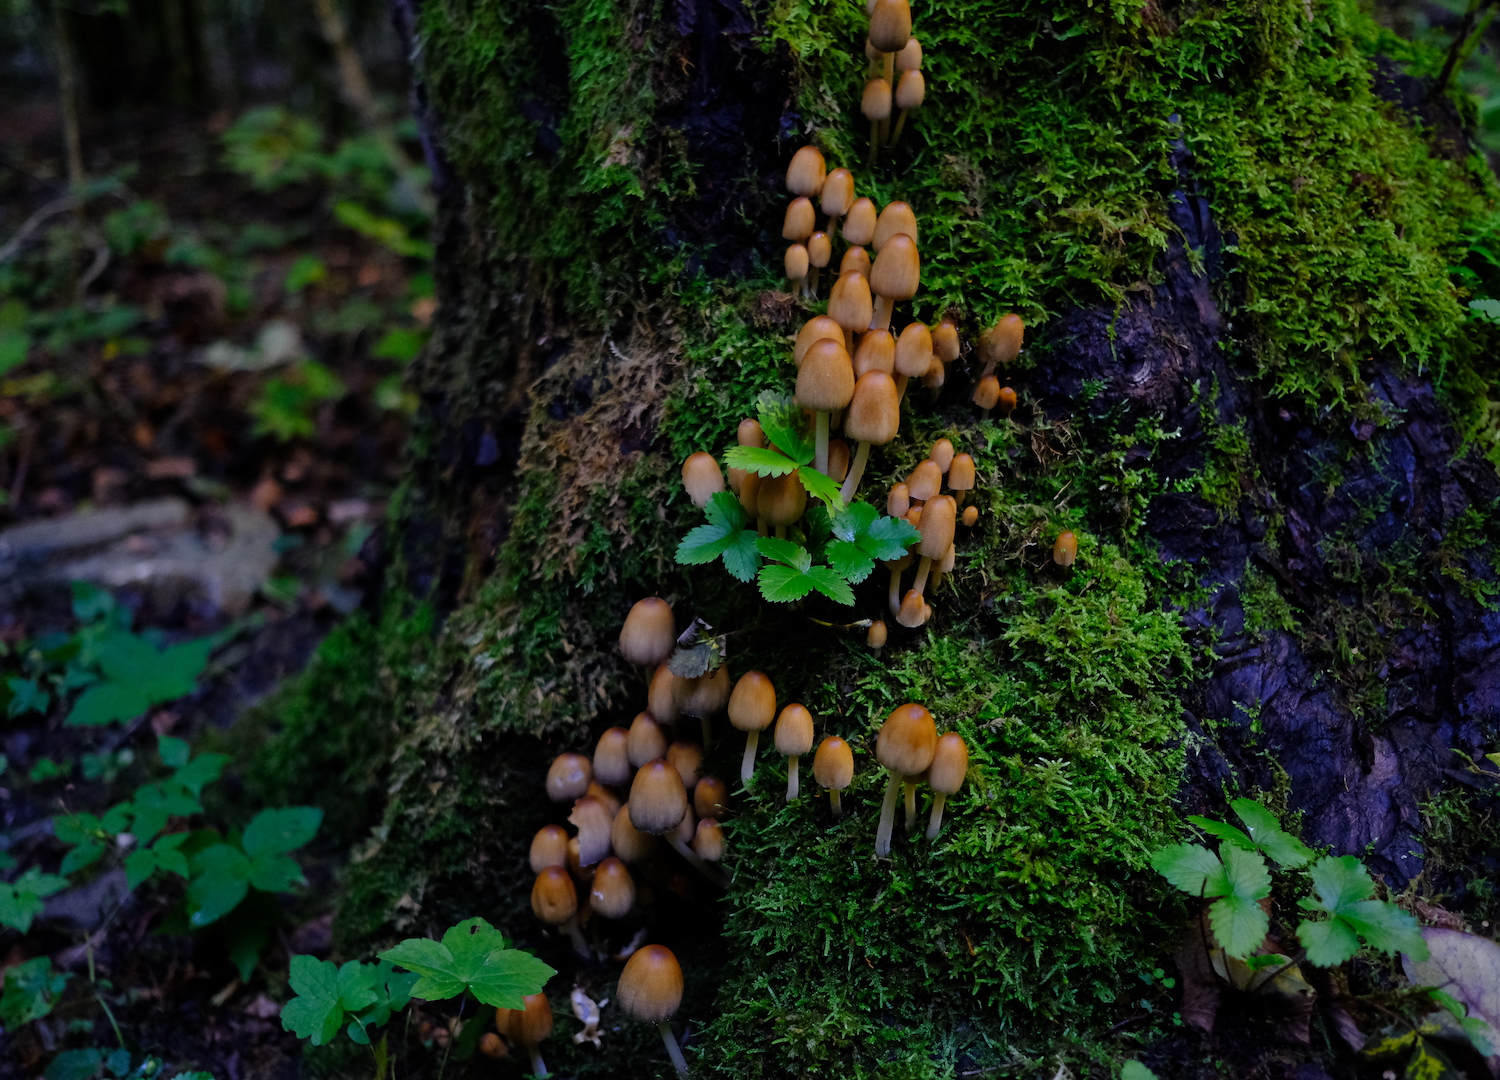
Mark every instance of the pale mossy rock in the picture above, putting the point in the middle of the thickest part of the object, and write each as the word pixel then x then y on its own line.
pixel 1208 216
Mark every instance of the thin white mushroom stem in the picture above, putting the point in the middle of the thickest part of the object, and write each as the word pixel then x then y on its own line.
pixel 835 803
pixel 935 822
pixel 747 765
pixel 881 320
pixel 580 946
pixel 901 381
pixel 887 815
pixel 673 1050
pixel 895 593
pixel 856 471
pixel 923 569
pixel 707 869
pixel 793 777
pixel 820 445
pixel 911 804
pixel 538 1067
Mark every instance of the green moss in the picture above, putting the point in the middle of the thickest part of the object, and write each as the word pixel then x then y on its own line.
pixel 1461 832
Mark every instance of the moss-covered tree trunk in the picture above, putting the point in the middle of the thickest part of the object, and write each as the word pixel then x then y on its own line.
pixel 1243 242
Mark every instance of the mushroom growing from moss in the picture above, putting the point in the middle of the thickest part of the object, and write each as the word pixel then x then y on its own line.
pixel 950 761
pixel 898 502
pixel 859 223
pixel 645 741
pixel 554 900
pixel 650 632
pixel 593 821
pixel 874 417
pixel 855 258
pixel 807 172
pixel 819 254
pixel 897 218
pixel 1001 343
pixel 925 481
pixel 904 745
pixel 528 1026
pixel 794 737
pixel 971 515
pixel 628 842
pixel 833 768
pixel 710 798
pixel 816 329
pixel 568 777
pixel 612 893
pixel 876 352
pixel 612 763
pixel 796 263
pixel 850 305
pixel 896 567
pixel 875 637
pixel 687 759
pixel 939 517
pixel 800 221
pixel 752 707
pixel 661 697
pixel 549 847
pixel 961 476
pixel 875 105
pixel 913 354
pixel 708 841
pixel 895 276
pixel 825 384
pixel 657 798
pixel 987 393
pixel 838 196
pixel 945 341
pixel 701 478
pixel 1065 550
pixel 650 989
pixel 911 91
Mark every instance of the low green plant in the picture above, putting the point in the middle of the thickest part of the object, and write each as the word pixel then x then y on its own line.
pixel 31 989
pixel 21 900
pixel 287 403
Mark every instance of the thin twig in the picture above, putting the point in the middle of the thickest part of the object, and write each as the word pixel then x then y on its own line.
pixel 59 205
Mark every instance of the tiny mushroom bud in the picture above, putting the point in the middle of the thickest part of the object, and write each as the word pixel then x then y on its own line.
pixel 612 757
pixel 925 481
pixel 569 777
pixel 899 500
pixel 492 1046
pixel 800 220
pixel 702 478
pixel 910 57
pixel 855 258
pixel 876 352
pixel 859 224
pixel 838 195
pixel 528 1026
pixel 942 453
pixel 657 798
pixel 876 636
pixel 890 25
pixel 1002 342
pixel 850 305
pixel 833 767
pixel 904 745
pixel 687 759
pixel 1006 401
pixel 794 737
pixel 549 847
pixel 971 515
pixel 660 698
pixel 708 841
pixel 913 354
pixel 873 419
pixel 710 798
pixel 895 276
pixel 807 172
pixel 650 632
pixel 950 761
pixel 628 842
pixel 897 217
pixel 553 898
pixel 750 433
pixel 987 393
pixel 1065 550
pixel 593 821
pixel 913 611
pixel 961 476
pixel 612 893
pixel 796 263
pixel 645 741
pixel 752 707
pixel 825 383
pixel 945 341
pixel 650 989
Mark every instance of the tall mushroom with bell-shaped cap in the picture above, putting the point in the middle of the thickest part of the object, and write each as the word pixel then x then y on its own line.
pixel 939 520
pixel 987 394
pixel 925 481
pixel 807 172
pixel 876 352
pixel 961 476
pixel 833 768
pixel 650 990
pixel 913 355
pixel 819 253
pixel 904 745
pixel 650 632
pixel 838 196
pixel 859 223
pixel 850 304
pixel 890 29
pixel 593 820
pixel 875 105
pixel 796 263
pixel 816 329
pixel 950 761
pixel 945 341
pixel 752 707
pixel 612 892
pixel 644 741
pixel 873 419
pixel 1001 343
pixel 895 276
pixel 554 900
pixel 528 1026
pixel 568 777
pixel 549 847
pixel 800 221
pixel 794 737
pixel 701 478
pixel 897 217
pixel 781 502
pixel 825 384
pixel 855 258
pixel 661 700
pixel 911 91
pixel 612 757
pixel 658 803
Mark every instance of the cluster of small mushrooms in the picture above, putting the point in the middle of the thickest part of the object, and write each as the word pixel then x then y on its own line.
pixel 890 48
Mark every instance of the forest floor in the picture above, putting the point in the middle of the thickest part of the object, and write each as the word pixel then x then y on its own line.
pixel 201 412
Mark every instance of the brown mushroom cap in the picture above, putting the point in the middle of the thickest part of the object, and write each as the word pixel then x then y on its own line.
pixel 650 632
pixel 874 414
pixel 850 303
pixel 897 273
pixel 1002 342
pixel 825 381
pixel 936 375
pixel 708 841
pixel 794 730
pixel 859 223
pixel 612 757
pixel 898 502
pixel 800 221
pixel 818 328
pixel 645 740
pixel 877 635
pixel 604 795
pixel 782 500
pixel 833 764
pixel 939 519
pixel 702 478
pixel 1065 550
pixel 876 102
pixel 650 987
pixel 657 798
pixel 807 172
pixel 612 893
pixel 945 341
pixel 950 761
pixel 907 740
pixel 911 90
pixel 750 433
pixel 569 776
pixel 553 897
pixel 838 192
pixel 819 249
pixel 687 759
pixel 492 1046
pixel 890 25
pixel 913 611
pixel 961 473
pixel 987 392
pixel 660 698
pixel 796 262
pixel 925 481
pixel 949 558
pixel 855 258
pixel 628 842
pixel 897 217
pixel 1006 400
pixel 971 515
pixel 593 821
pixel 876 352
pixel 914 350
pixel 942 453
pixel 710 798
pixel 838 458
pixel 910 57
pixel 706 695
pixel 752 706
pixel 549 847
pixel 527 1026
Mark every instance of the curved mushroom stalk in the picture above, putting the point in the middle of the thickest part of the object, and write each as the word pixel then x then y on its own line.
pixel 673 1050
pixel 887 815
pixel 793 778
pixel 698 863
pixel 935 822
pixel 538 1066
pixel 911 803
pixel 747 764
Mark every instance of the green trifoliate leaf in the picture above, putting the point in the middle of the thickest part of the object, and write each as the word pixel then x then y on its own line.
pixel 324 994
pixel 760 460
pixel 784 425
pixel 472 956
pixel 21 900
pixel 1339 881
pixel 853 521
pixel 849 560
pixel 221 878
pixel 1327 943
pixel 1267 834
pixel 1344 891
pixel 278 831
pixel 784 551
pixel 725 536
pixel 1238 920
pixel 820 486
pixel 783 584
pixel 889 537
pixel 1192 868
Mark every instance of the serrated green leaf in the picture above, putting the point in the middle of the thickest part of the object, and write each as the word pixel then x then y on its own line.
pixel 1327 943
pixel 742 557
pixel 1192 868
pixel 1267 834
pixel 784 551
pixel 780 583
pixel 168 857
pixel 139 866
pixel 724 509
pixel 831 585
pixel 703 544
pixel 21 900
pixel 1239 923
pixel 201 771
pixel 1385 927
pixel 221 878
pixel 106 702
pixel 84 855
pixel 1340 881
pixel 1223 831
pixel 760 460
pixel 275 873
pixel 820 486
pixel 278 831
pixel 1246 873
pixel 31 989
pixel 849 560
pixel 472 956
pixel 315 1013
pixel 888 538
pixel 853 521
pixel 785 426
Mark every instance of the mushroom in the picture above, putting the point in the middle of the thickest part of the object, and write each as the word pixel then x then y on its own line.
pixel 898 502
pixel 813 331
pixel 628 842
pixel 825 384
pixel 796 263
pixel 554 900
pixel 781 502
pixel 897 567
pixel 855 258
pixel 492 1046
pixel 961 476
pixel 859 224
pixel 874 417
pixel 645 741
pixel 687 759
pixel 750 433
pixel 905 746
pixel 945 341
pixel 705 696
pixel 800 220
pixel 936 376
pixel 612 893
pixel 650 989
pixel 657 798
pixel 944 565
pixel 890 28
pixel 838 196
pixel 1065 550
pixel 710 798
pixel 987 393
pixel 549 847
pixel 806 173
pixel 604 795
pixel 1001 343
pixel 750 499
pixel 942 453
pixel 971 515
pixel 875 637
pixel 833 767
pixel 913 352
pixel 752 707
pixel 895 276
pixel 939 516
pixel 911 91
pixel 569 777
pixel 794 737
pixel 838 457
pixel 875 104
pixel 819 254
pixel 897 217
pixel 660 697
pixel 708 841
pixel 950 761
pixel 925 481
pixel 910 56
pixel 650 632
pixel 528 1026
pixel 876 352
pixel 913 610
pixel 612 764
pixel 593 821
pixel 1006 401
pixel 581 874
